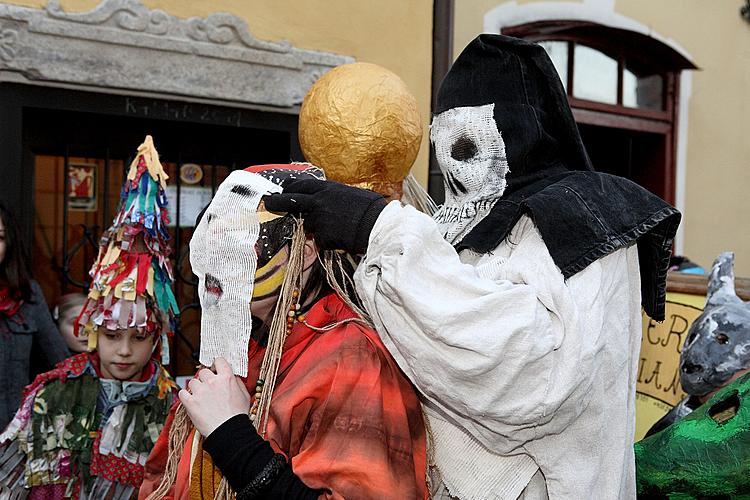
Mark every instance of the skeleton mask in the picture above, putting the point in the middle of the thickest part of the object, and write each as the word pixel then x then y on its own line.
pixel 222 256
pixel 471 155
pixel 718 343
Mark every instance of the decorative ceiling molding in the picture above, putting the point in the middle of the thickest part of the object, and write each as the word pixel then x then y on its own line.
pixel 122 44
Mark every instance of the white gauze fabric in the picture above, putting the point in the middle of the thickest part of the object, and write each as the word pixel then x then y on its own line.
pixel 222 255
pixel 471 154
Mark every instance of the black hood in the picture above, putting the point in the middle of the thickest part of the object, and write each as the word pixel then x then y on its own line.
pixel 582 215
pixel 531 107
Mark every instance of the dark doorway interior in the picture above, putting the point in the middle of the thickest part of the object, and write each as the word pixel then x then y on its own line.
pixel 89 134
pixel 636 155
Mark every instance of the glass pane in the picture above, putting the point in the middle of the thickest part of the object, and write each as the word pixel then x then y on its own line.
pixel 594 75
pixel 642 90
pixel 558 52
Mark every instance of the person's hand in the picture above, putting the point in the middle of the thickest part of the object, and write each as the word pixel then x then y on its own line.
pixel 340 217
pixel 213 398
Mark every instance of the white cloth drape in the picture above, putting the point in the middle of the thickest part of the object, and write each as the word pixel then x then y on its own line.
pixel 536 372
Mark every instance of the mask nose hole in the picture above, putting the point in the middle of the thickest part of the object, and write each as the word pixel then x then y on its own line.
pixel 690 368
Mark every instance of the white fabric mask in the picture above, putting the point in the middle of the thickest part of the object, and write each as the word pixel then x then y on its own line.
pixel 471 154
pixel 222 255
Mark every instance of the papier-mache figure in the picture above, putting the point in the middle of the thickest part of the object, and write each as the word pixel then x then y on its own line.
pixel 516 311
pixel 717 348
pixel 362 126
pixel 303 401
pixel 701 448
pixel 85 429
pixel 706 454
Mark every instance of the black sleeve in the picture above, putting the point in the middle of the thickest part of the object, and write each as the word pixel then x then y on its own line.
pixel 250 464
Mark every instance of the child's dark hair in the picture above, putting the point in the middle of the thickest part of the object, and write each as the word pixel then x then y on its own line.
pixel 14 269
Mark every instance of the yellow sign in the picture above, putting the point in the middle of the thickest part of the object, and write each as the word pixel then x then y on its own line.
pixel 658 388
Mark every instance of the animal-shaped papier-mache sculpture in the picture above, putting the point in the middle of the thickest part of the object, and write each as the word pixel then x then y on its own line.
pixel 717 349
pixel 704 455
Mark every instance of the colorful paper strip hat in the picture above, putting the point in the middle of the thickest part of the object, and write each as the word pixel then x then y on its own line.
pixel 132 276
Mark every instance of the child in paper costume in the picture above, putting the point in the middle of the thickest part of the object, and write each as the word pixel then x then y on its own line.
pixel 85 429
pixel 516 311
pixel 330 413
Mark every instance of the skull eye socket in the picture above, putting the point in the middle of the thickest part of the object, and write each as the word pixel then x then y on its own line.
pixel 721 338
pixel 463 149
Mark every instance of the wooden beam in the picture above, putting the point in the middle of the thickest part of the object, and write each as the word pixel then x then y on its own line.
pixel 697 284
pixel 606 119
pixel 442 59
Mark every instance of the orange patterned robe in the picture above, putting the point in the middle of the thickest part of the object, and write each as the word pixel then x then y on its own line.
pixel 342 413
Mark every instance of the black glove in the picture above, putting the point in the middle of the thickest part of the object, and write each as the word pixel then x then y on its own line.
pixel 340 217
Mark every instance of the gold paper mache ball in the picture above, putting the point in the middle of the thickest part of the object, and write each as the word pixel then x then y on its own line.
pixel 361 125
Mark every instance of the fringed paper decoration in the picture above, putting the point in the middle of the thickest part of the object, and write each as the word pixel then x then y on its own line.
pixel 60 443
pixel 132 276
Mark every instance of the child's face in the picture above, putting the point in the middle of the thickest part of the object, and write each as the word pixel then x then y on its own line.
pixel 123 353
pixel 75 344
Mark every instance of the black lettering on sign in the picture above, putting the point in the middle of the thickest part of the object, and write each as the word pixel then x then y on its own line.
pixel 674 386
pixel 654 377
pixel 172 110
pixel 659 367
pixel 640 369
pixel 651 332
pixel 679 325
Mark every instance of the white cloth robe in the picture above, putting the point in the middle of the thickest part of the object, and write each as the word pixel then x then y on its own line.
pixel 527 380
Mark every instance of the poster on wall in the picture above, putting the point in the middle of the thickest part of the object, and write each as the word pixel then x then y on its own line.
pixel 82 187
pixel 193 199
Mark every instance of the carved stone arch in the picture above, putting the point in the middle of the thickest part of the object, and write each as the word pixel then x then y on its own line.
pixel 592 11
